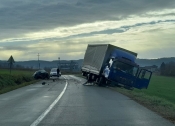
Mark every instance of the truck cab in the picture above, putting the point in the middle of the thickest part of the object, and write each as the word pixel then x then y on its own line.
pixel 129 74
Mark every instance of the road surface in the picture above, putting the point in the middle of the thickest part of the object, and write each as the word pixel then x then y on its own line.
pixel 66 102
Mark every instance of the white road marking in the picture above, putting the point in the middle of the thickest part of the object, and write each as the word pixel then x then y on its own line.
pixel 41 117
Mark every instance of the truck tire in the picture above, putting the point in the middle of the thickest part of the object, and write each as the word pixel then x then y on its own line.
pixel 93 77
pixel 108 82
pixel 100 81
pixel 89 77
pixel 83 74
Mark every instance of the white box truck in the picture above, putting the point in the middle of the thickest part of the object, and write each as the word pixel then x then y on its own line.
pixel 121 64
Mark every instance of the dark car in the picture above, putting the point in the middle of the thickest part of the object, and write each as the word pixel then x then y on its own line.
pixel 41 74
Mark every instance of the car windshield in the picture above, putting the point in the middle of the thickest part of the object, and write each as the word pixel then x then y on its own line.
pixel 42 71
pixel 54 70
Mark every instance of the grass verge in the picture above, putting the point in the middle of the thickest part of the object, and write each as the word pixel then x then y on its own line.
pixel 159 105
pixel 17 79
pixel 13 87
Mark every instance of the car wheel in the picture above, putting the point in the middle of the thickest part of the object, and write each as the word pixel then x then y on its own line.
pixel 36 77
pixel 47 76
pixel 43 76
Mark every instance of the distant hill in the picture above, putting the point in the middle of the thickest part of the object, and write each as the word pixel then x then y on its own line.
pixel 34 64
pixel 157 62
pixel 50 64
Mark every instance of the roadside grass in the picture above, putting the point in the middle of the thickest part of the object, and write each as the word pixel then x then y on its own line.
pixel 159 97
pixel 17 79
pixel 13 87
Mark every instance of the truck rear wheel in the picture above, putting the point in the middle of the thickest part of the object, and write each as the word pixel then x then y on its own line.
pixel 93 77
pixel 83 74
pixel 89 77
pixel 100 81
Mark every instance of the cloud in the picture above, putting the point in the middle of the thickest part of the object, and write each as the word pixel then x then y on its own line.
pixel 65 27
pixel 43 15
pixel 103 27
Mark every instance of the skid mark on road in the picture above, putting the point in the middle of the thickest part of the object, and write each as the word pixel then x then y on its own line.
pixel 41 117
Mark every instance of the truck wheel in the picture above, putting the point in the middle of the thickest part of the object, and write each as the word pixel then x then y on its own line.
pixel 83 73
pixel 108 82
pixel 100 81
pixel 89 77
pixel 93 77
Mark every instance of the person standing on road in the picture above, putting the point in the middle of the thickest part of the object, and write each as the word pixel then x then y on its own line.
pixel 58 72
pixel 106 72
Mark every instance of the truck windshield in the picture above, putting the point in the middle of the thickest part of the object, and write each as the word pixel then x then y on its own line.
pixel 124 67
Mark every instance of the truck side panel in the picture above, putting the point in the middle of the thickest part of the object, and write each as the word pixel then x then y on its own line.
pixel 97 56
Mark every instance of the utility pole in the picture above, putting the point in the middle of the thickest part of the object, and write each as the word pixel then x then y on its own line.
pixel 59 62
pixel 38 61
pixel 71 64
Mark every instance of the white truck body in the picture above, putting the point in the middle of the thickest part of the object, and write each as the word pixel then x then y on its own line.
pixel 96 57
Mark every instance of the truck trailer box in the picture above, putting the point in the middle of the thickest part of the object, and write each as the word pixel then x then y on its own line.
pixel 98 55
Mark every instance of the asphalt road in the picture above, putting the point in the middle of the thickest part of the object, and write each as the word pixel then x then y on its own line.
pixel 66 102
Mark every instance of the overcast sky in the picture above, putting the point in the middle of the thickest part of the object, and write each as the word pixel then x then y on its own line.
pixel 64 28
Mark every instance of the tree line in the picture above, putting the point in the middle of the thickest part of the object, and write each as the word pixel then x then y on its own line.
pixel 167 69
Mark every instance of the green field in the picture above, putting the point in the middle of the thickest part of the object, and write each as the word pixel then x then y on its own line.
pixel 162 87
pixel 159 97
pixel 15 72
pixel 17 79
